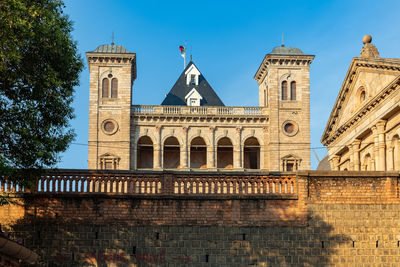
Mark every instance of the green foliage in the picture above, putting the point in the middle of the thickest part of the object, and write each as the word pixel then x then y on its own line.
pixel 39 67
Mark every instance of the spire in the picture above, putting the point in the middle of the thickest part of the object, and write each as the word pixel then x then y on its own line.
pixel 369 50
pixel 283 41
pixel 112 38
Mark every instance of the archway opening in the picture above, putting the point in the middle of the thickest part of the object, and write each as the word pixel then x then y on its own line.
pixel 367 162
pixel 198 153
pixel 251 153
pixel 224 153
pixel 144 153
pixel 171 157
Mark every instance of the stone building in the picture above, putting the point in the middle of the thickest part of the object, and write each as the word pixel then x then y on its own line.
pixel 192 128
pixel 364 126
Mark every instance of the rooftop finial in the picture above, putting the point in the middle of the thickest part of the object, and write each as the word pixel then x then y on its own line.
pixel 283 41
pixel 112 38
pixel 367 39
pixel 369 50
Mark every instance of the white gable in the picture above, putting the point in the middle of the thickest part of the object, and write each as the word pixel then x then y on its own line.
pixel 192 75
pixel 193 98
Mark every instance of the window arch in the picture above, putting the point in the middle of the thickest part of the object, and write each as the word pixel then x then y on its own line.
pixel 284 90
pixel 198 153
pixel 171 157
pixel 251 153
pixel 362 96
pixel 145 153
pixel 224 153
pixel 105 88
pixel 114 88
pixel 293 90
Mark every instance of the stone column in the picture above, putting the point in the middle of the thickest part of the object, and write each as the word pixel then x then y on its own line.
pixel 356 154
pixel 157 149
pixel 351 156
pixel 334 162
pixel 382 144
pixel 237 150
pixel 390 158
pixel 375 159
pixel 134 156
pixel 264 165
pixel 211 151
pixel 184 149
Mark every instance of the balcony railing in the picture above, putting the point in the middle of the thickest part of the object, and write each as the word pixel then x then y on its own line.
pixel 157 183
pixel 203 110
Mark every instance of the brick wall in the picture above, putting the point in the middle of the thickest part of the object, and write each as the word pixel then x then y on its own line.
pixel 337 219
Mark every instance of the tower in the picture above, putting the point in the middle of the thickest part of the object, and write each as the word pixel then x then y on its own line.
pixel 284 89
pixel 112 73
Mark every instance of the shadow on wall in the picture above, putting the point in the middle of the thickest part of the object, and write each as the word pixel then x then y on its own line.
pixel 82 243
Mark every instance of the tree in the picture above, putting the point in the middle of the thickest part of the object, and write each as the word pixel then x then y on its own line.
pixel 39 67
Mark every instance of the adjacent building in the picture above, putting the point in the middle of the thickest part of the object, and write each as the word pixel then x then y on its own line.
pixel 364 127
pixel 192 128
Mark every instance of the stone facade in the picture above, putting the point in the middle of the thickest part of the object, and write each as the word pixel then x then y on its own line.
pixel 364 127
pixel 274 136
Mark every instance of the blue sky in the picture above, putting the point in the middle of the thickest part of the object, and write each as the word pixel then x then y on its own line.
pixel 228 40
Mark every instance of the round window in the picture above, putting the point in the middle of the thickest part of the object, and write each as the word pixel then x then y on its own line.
pixel 109 126
pixel 290 128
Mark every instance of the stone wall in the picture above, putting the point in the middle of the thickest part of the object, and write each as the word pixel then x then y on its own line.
pixel 336 219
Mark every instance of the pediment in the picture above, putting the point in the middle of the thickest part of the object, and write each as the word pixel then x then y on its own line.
pixel 371 76
pixel 193 94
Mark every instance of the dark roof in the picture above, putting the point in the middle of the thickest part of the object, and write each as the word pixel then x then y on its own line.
pixel 176 95
pixel 324 165
pixel 283 50
pixel 111 49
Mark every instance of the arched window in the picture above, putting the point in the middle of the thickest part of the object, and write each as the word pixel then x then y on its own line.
pixel 171 153
pixel 251 153
pixel 224 153
pixel 367 163
pixel 293 90
pixel 105 86
pixel 284 90
pixel 114 88
pixel 362 96
pixel 198 153
pixel 144 153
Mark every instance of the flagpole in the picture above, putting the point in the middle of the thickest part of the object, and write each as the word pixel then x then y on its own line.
pixel 184 60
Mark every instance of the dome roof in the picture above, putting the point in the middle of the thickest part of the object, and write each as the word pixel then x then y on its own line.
pixel 112 48
pixel 283 50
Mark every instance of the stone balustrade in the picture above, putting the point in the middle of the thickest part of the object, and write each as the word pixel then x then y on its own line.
pixel 202 110
pixel 158 183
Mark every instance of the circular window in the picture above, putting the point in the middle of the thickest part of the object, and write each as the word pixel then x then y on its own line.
pixel 290 128
pixel 110 75
pixel 109 126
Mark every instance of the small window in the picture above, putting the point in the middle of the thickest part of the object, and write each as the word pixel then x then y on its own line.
pixel 293 90
pixel 284 90
pixel 193 101
pixel 289 167
pixel 362 96
pixel 193 79
pixel 105 87
pixel 114 88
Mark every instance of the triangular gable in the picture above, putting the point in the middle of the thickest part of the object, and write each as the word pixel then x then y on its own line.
pixel 193 94
pixel 363 73
pixel 178 92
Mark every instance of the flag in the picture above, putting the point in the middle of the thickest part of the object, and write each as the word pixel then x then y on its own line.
pixel 183 50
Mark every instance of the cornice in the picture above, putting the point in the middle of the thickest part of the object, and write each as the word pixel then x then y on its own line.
pixel 284 60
